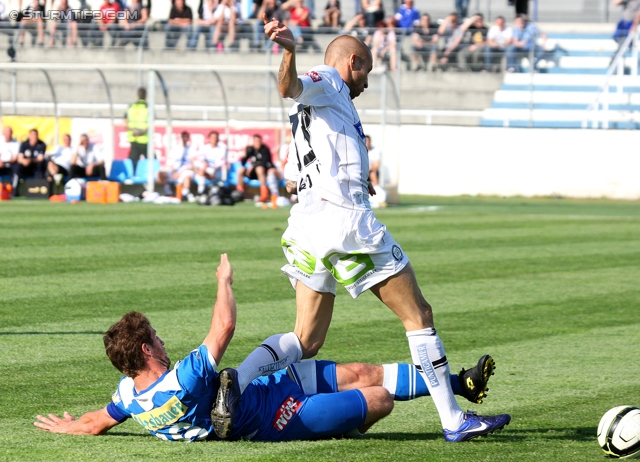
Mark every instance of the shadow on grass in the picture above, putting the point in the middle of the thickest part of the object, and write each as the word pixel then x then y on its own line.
pixel 52 333
pixel 577 434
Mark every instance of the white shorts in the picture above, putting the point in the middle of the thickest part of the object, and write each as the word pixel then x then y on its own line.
pixel 325 244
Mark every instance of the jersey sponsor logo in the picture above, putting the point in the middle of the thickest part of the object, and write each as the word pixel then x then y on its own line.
pixel 396 251
pixel 162 416
pixel 427 368
pixel 286 412
pixel 314 76
pixel 359 129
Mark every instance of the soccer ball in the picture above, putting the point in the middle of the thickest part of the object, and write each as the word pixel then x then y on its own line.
pixel 619 432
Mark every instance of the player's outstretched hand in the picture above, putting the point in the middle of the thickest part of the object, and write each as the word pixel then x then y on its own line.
pixel 55 424
pixel 279 33
pixel 225 272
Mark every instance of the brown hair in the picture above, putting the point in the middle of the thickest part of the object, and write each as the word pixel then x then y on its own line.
pixel 123 343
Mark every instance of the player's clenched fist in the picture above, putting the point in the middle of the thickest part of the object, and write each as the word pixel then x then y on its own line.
pixel 279 33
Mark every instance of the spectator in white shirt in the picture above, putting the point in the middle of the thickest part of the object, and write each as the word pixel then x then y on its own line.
pixel 210 161
pixel 59 164
pixel 87 160
pixel 9 148
pixel 498 38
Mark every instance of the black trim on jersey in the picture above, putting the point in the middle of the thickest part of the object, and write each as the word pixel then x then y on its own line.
pixel 270 350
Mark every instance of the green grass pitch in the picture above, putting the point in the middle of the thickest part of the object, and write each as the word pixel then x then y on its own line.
pixel 550 288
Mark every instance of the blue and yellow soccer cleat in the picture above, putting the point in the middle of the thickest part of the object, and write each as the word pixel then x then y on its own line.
pixel 473 383
pixel 476 425
pixel 226 404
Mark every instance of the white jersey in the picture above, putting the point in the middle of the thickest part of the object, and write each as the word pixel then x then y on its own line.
pixel 88 155
pixel 62 157
pixel 181 157
pixel 8 150
pixel 330 154
pixel 214 156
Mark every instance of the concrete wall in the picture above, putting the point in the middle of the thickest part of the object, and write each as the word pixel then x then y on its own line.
pixel 445 160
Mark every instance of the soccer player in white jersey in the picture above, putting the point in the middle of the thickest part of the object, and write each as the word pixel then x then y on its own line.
pixel 333 236
pixel 209 161
pixel 309 400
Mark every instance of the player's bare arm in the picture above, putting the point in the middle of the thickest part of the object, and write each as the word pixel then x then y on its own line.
pixel 292 186
pixel 223 321
pixel 92 423
pixel 288 83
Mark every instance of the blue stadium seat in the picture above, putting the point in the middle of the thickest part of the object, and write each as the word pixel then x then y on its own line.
pixel 142 170
pixel 121 170
pixel 232 173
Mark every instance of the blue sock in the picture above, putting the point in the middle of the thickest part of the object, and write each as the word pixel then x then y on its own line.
pixel 405 382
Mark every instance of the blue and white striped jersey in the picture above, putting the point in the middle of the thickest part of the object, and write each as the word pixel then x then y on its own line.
pixel 178 405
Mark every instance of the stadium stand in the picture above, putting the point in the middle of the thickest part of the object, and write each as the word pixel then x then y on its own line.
pixel 565 85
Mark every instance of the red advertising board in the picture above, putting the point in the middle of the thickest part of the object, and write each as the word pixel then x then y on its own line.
pixel 238 140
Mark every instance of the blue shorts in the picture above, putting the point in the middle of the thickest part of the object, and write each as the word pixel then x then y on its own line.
pixel 299 403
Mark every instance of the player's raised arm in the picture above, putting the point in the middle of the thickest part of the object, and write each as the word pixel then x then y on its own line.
pixel 91 423
pixel 223 321
pixel 288 83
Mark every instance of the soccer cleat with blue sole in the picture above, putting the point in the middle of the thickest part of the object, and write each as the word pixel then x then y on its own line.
pixel 226 403
pixel 476 425
pixel 473 382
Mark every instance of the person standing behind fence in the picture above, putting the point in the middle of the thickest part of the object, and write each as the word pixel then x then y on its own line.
pixel 137 122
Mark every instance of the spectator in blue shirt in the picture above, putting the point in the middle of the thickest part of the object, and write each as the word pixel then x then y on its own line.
pixel 524 38
pixel 407 16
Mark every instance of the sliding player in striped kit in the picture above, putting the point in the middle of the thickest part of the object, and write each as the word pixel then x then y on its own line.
pixel 309 400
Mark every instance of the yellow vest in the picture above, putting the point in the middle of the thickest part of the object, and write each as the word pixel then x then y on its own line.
pixel 137 119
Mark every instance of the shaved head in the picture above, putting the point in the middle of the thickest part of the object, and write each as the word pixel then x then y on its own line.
pixel 342 47
pixel 352 59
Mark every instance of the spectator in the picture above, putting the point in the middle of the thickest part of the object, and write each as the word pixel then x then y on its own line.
pixel 180 20
pixel 272 10
pixel 257 164
pixel 522 6
pixel 423 42
pixel 31 161
pixel 374 161
pixel 212 157
pixel 181 165
pixel 133 24
pixel 475 40
pixel 59 164
pixel 462 8
pixel 300 24
pixel 9 149
pixel 87 29
pixel 32 18
pixel 498 39
pixel 384 45
pixel 226 17
pixel 66 24
pixel 524 42
pixel 87 160
pixel 407 17
pixel 332 14
pixel 452 33
pixel 204 25
pixel 373 12
pixel 136 120
pixel 357 27
pixel 108 22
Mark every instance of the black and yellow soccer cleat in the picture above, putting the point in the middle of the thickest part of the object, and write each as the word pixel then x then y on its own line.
pixel 473 382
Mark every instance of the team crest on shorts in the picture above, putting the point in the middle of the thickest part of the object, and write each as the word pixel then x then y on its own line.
pixel 396 251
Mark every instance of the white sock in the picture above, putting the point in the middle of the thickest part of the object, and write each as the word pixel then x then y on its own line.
pixel 272 183
pixel 275 353
pixel 427 352
pixel 390 378
pixel 201 181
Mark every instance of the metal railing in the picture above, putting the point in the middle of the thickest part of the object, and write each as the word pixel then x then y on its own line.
pixel 593 115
